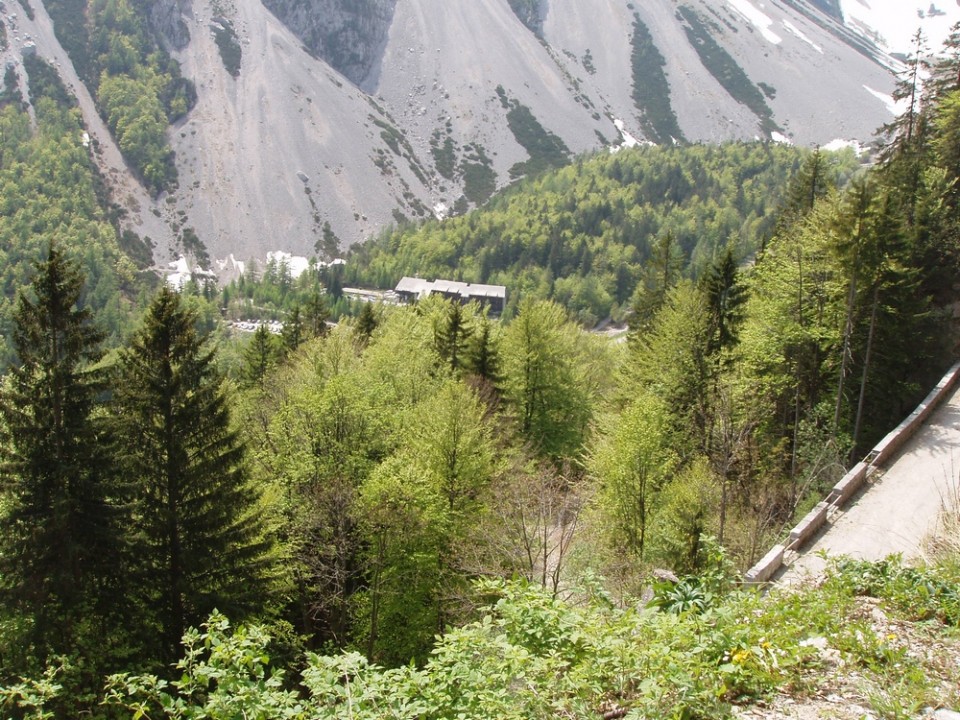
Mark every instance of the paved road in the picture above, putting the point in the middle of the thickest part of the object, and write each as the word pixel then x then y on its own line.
pixel 899 509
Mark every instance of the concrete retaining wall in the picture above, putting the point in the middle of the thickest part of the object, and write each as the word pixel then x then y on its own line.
pixel 853 480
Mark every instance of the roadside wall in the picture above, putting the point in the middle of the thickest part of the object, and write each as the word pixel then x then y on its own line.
pixel 850 483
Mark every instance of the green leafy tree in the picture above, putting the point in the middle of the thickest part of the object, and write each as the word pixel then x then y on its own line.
pixel 62 539
pixel 404 522
pixel 544 383
pixel 670 361
pixel 200 530
pixel 452 445
pixel 321 445
pixel 631 463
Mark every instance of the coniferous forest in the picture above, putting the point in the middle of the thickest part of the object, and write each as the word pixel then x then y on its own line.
pixel 428 512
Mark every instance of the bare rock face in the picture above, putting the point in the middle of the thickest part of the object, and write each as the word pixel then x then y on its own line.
pixel 166 16
pixel 348 34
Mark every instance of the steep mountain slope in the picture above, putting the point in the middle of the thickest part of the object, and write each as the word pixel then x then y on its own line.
pixel 320 122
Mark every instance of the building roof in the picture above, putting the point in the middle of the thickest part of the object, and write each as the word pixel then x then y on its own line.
pixel 414 285
pixel 421 288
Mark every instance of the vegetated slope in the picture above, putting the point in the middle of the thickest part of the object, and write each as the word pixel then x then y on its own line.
pixel 859 641
pixel 279 144
pixel 581 235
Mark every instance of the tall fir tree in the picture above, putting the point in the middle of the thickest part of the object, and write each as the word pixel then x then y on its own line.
pixel 367 321
pixel 61 543
pixel 202 541
pixel 725 295
pixel 451 334
pixel 661 272
pixel 294 330
pixel 316 314
pixel 259 356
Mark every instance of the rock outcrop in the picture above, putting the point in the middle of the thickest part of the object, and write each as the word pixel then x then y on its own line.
pixel 348 34
pixel 166 17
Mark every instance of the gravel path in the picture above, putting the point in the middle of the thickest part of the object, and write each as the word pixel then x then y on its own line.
pixel 899 509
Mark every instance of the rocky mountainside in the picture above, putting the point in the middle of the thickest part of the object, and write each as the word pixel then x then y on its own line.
pixel 318 122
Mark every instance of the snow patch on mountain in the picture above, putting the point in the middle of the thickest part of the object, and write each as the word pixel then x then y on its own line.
pixel 629 140
pixel 296 264
pixel 757 18
pixel 896 21
pixel 840 144
pixel 887 100
pixel 793 29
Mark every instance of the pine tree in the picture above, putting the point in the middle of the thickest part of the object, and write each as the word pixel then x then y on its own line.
pixel 61 538
pixel 906 154
pixel 367 322
pixel 316 315
pixel 483 353
pixel 259 356
pixel 660 273
pixel 294 330
pixel 725 298
pixel 202 543
pixel 812 182
pixel 451 334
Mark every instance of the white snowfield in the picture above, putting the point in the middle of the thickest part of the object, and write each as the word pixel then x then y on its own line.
pixel 900 509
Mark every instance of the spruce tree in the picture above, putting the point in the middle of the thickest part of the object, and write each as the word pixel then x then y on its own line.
pixel 661 272
pixel 483 352
pixel 259 356
pixel 451 334
pixel 316 314
pixel 61 544
pixel 294 330
pixel 725 298
pixel 367 321
pixel 201 538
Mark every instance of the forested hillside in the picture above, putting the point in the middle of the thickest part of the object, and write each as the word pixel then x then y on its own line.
pixel 50 191
pixel 582 235
pixel 477 504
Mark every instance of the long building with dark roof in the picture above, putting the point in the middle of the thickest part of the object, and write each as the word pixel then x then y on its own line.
pixel 494 297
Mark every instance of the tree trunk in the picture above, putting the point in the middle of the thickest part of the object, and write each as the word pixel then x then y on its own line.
pixel 866 370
